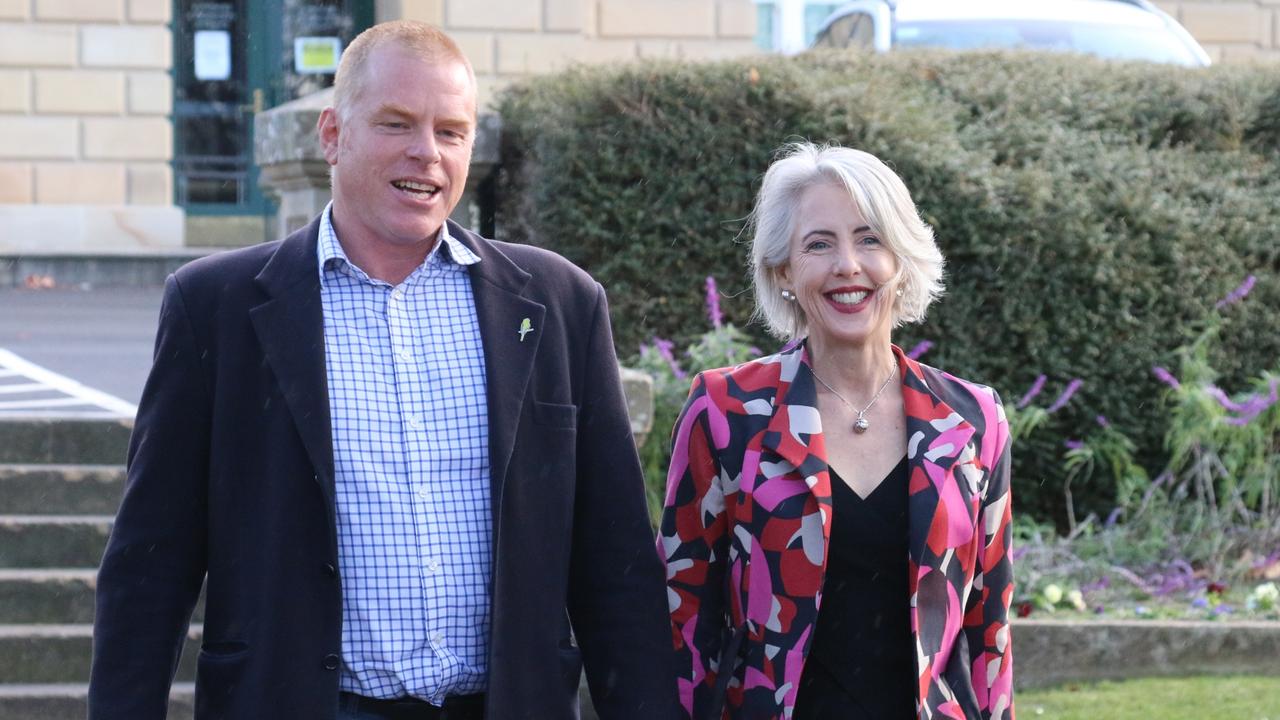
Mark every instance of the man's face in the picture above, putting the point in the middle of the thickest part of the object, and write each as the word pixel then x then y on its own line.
pixel 401 150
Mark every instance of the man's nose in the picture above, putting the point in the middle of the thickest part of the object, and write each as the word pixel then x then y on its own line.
pixel 424 146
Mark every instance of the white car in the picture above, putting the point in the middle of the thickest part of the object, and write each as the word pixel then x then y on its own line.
pixel 1123 29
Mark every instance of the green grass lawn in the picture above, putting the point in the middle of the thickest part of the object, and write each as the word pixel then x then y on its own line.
pixel 1200 698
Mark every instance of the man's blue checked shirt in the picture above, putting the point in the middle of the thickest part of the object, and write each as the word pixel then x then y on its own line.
pixel 405 369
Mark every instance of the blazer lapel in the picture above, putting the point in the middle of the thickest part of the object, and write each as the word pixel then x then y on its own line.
pixel 793 437
pixel 940 516
pixel 290 328
pixel 510 330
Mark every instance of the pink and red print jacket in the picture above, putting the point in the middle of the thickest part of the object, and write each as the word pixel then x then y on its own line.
pixel 748 517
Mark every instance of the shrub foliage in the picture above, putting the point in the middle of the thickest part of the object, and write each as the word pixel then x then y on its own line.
pixel 1090 212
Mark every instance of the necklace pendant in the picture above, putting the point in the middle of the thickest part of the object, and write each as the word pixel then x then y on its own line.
pixel 860 425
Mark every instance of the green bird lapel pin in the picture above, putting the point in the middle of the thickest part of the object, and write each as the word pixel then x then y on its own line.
pixel 526 327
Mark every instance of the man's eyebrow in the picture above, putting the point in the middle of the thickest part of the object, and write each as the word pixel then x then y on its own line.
pixel 393 109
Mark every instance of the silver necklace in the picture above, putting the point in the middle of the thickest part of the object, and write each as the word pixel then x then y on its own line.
pixel 860 425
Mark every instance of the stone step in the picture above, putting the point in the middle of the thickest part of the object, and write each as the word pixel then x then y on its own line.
pixel 44 654
pixel 53 541
pixel 68 701
pixel 60 489
pixel 46 596
pixel 62 595
pixel 64 441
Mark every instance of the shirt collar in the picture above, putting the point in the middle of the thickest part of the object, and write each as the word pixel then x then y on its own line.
pixel 331 254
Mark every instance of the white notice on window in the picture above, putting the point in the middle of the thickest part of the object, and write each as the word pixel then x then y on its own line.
pixel 212 54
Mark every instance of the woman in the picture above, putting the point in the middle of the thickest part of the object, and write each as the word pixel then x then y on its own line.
pixel 837 524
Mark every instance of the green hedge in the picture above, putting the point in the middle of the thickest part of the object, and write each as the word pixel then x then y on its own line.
pixel 1091 212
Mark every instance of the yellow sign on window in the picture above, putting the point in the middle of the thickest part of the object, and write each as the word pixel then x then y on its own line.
pixel 316 55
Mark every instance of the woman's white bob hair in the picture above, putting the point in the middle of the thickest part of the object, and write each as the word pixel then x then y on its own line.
pixel 884 202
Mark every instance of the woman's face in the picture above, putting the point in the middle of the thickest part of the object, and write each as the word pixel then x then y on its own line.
pixel 837 268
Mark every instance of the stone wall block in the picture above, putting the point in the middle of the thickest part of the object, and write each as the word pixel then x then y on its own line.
pixel 736 19
pixel 79 91
pixel 15 91
pixel 150 184
pixel 431 11
pixel 80 10
pixel 1224 22
pixel 15 183
pixel 35 138
pixel 478 47
pixel 528 53
pixel 566 15
pixel 89 228
pixel 126 46
pixel 150 93
pixel 658 18
pixel 150 11
pixel 37 45
pixel 494 15
pixel 128 139
pixel 15 9
pixel 665 49
pixel 80 183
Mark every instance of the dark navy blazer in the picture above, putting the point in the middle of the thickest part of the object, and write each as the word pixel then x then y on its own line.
pixel 231 477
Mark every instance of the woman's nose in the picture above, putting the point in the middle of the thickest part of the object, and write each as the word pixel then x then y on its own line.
pixel 846 262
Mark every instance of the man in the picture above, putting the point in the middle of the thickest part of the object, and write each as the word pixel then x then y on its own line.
pixel 396 453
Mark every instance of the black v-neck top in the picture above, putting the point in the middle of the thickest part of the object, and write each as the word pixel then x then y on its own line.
pixel 862 662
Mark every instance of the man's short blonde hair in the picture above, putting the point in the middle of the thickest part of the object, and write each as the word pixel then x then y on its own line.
pixel 881 198
pixel 425 39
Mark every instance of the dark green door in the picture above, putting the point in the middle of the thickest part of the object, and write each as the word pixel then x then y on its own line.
pixel 235 58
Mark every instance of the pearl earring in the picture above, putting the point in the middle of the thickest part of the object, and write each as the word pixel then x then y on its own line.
pixel 788 295
pixel 899 292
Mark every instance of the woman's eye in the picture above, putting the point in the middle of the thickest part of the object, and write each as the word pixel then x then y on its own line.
pixel 817 245
pixel 870 240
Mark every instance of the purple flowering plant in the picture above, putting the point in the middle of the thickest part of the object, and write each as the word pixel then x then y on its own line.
pixel 672 370
pixel 1189 538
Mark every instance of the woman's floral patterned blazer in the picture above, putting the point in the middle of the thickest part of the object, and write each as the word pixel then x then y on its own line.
pixel 748 517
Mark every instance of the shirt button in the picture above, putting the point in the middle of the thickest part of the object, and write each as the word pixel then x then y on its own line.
pixel 433 564
pixel 398 294
pixel 424 493
pixel 437 638
pixel 415 422
pixel 404 355
pixel 331 662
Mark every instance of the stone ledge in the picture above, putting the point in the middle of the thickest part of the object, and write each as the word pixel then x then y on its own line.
pixel 88 229
pixel 1053 652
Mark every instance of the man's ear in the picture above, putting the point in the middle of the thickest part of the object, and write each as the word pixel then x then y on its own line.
pixel 327 129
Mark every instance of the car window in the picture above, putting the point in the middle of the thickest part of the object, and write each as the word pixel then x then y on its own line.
pixel 1108 41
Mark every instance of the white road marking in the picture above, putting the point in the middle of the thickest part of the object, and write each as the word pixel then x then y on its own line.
pixel 17 388
pixel 70 392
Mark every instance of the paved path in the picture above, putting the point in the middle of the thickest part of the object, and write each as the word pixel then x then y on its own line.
pixel 75 352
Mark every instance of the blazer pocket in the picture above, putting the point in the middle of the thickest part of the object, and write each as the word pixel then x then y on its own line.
pixel 221 651
pixel 555 414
